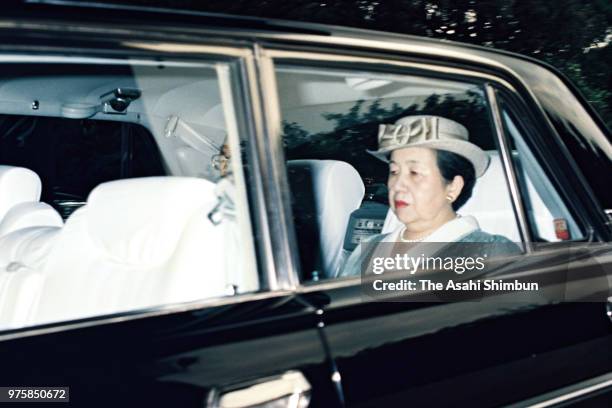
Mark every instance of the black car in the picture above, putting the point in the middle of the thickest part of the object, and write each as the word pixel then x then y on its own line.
pixel 179 193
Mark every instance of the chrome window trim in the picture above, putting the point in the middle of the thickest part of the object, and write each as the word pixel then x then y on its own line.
pixel 428 47
pixel 567 394
pixel 140 314
pixel 66 59
pixel 188 48
pixel 252 117
pixel 254 108
pixel 241 200
pixel 509 170
pixel 274 176
pixel 272 56
pixel 312 56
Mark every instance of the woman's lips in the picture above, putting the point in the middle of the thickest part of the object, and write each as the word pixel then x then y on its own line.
pixel 400 204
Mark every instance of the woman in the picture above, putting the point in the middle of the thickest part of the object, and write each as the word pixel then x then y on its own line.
pixel 432 171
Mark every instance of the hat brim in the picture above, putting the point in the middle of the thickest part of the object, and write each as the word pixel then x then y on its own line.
pixel 476 156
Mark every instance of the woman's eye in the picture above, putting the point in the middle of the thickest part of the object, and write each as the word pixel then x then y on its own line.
pixel 414 173
pixel 393 171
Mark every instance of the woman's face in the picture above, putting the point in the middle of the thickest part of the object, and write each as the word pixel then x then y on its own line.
pixel 417 190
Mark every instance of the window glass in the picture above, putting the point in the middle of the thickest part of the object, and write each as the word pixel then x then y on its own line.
pixel 85 153
pixel 340 192
pixel 550 218
pixel 122 188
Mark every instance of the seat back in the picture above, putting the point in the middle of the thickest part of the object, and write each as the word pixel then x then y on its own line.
pixel 30 214
pixel 27 233
pixel 23 254
pixel 324 193
pixel 137 243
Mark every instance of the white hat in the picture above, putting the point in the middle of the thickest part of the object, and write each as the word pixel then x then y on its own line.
pixel 430 131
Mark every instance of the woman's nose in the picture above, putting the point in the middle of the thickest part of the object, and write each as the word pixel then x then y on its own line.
pixel 399 183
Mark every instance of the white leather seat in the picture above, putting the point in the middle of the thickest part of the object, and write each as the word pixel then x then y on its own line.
pixel 30 214
pixel 27 231
pixel 491 203
pixel 492 206
pixel 20 190
pixel 337 190
pixel 23 254
pixel 17 185
pixel 20 209
pixel 138 243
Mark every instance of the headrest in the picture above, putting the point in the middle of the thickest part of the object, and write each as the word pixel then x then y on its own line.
pixel 17 185
pixel 140 221
pixel 335 182
pixel 491 202
pixel 32 214
pixel 337 191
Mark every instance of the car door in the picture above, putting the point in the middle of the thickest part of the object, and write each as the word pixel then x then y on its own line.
pixel 479 352
pixel 190 352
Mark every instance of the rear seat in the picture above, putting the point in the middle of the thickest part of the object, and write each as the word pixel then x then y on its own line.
pixel 20 190
pixel 17 185
pixel 23 254
pixel 30 214
pixel 27 231
pixel 139 243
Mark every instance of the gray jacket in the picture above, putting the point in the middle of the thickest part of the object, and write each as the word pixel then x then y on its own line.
pixel 497 245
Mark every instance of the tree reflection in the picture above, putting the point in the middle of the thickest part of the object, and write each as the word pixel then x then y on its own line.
pixel 357 129
pixel 572 35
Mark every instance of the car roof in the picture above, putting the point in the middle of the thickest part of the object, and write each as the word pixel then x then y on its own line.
pixel 243 26
pixel 223 27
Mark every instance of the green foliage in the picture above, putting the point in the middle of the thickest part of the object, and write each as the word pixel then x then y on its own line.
pixel 294 135
pixel 357 130
pixel 560 32
pixel 374 113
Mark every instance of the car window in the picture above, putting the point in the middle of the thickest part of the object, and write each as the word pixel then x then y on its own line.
pixel 550 218
pixel 122 189
pixel 72 156
pixel 331 121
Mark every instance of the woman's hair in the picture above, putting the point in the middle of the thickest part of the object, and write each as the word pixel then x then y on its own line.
pixel 451 165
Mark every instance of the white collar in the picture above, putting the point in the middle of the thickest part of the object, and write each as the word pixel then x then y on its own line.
pixel 452 231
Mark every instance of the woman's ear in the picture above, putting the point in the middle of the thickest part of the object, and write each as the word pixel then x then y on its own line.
pixel 454 188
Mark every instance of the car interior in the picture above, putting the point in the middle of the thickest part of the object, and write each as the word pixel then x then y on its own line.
pixel 325 131
pixel 108 180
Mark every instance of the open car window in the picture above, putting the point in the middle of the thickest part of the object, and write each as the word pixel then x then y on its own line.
pixel 122 189
pixel 330 120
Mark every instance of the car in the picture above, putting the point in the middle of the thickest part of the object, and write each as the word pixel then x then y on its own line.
pixel 180 191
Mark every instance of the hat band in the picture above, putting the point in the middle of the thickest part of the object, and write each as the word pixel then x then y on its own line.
pixel 421 130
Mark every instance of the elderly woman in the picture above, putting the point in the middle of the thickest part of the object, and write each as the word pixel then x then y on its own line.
pixel 432 171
